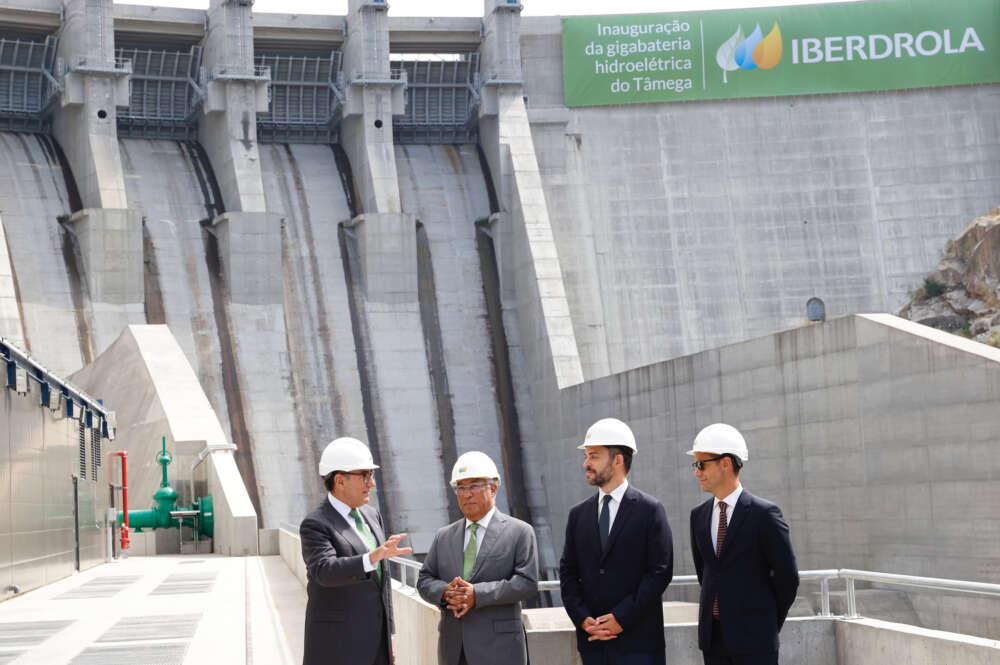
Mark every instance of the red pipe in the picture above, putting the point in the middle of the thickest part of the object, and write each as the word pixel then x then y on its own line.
pixel 124 455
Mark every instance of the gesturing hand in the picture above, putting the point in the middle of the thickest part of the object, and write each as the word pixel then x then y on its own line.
pixel 389 548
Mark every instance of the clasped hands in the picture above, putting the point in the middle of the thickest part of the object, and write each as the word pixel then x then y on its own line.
pixel 603 628
pixel 459 597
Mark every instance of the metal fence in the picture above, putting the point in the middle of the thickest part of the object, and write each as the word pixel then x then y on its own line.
pixel 163 93
pixel 407 570
pixel 305 100
pixel 441 100
pixel 27 82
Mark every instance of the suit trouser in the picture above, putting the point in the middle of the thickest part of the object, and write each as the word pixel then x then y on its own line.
pixel 717 654
pixel 384 654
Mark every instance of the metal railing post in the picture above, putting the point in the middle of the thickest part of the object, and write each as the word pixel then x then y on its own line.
pixel 852 603
pixel 825 602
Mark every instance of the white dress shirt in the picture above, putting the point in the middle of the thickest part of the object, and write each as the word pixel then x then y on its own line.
pixel 616 501
pixel 730 509
pixel 345 511
pixel 483 523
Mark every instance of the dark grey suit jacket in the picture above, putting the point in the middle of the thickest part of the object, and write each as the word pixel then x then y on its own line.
pixel 349 612
pixel 505 573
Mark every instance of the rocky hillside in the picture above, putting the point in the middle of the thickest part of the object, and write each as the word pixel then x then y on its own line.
pixel 963 294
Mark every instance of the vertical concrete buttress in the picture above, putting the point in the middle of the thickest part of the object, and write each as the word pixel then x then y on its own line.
pixel 249 248
pixel 108 234
pixel 531 280
pixel 385 239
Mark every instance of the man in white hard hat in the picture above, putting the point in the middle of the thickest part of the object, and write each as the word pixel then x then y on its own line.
pixel 478 571
pixel 742 554
pixel 618 558
pixel 349 610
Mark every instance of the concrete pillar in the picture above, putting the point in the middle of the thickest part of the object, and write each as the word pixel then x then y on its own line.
pixel 11 319
pixel 84 122
pixel 109 236
pixel 527 249
pixel 110 245
pixel 531 281
pixel 372 97
pixel 234 95
pixel 250 252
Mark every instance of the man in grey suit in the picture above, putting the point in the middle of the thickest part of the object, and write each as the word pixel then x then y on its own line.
pixel 349 607
pixel 478 571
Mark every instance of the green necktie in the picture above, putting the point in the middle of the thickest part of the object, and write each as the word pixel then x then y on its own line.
pixel 469 560
pixel 366 535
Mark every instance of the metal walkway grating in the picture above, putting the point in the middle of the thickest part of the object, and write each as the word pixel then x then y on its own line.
pixel 148 628
pixel 441 99
pixel 163 93
pixel 20 634
pixel 26 82
pixel 304 98
pixel 185 583
pixel 99 587
pixel 133 654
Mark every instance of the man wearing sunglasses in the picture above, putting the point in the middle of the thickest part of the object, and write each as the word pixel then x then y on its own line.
pixel 349 607
pixel 743 557
pixel 477 572
pixel 618 557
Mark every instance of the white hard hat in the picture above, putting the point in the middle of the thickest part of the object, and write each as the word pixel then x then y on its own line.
pixel 609 432
pixel 474 464
pixel 721 439
pixel 345 454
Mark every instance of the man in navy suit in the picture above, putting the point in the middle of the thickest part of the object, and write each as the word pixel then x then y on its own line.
pixel 743 557
pixel 618 558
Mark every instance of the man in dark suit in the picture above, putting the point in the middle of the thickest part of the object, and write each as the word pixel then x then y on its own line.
pixel 349 610
pixel 743 557
pixel 617 559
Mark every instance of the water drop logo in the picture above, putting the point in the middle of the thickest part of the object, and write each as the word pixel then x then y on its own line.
pixel 753 52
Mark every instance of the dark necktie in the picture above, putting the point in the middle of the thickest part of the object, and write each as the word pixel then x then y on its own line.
pixel 719 539
pixel 604 523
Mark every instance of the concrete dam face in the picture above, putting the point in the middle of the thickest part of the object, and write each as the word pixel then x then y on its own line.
pixel 435 254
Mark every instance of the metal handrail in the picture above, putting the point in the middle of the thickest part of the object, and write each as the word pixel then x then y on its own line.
pixel 849 575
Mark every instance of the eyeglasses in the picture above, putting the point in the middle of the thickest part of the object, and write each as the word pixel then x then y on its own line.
pixel 365 475
pixel 700 464
pixel 469 489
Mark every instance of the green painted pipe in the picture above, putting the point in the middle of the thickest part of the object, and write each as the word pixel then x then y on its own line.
pixel 158 517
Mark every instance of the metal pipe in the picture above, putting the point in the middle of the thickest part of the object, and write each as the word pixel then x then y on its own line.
pixel 124 455
pixel 852 603
pixel 825 607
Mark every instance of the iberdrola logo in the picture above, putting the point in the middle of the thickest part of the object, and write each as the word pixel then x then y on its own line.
pixel 741 52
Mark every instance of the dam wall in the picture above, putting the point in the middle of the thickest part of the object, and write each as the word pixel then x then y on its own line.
pixel 686 226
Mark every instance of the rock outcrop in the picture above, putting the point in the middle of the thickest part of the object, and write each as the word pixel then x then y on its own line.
pixel 963 294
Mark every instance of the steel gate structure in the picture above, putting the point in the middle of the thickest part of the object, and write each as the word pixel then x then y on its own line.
pixel 27 83
pixel 164 94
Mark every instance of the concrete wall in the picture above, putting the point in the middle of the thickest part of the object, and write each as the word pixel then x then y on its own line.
pixel 55 316
pixel 683 227
pixel 862 429
pixel 869 640
pixel 145 372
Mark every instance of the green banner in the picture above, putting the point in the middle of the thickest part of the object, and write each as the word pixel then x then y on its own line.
pixel 800 50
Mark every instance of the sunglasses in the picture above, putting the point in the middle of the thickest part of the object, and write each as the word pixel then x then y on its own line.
pixel 700 464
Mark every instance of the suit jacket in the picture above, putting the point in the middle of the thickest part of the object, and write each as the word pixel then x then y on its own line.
pixel 755 576
pixel 505 573
pixel 627 579
pixel 349 611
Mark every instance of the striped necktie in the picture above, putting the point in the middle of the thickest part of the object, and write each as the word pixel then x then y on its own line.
pixel 719 539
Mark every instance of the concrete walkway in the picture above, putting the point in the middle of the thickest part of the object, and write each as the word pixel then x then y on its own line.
pixel 163 610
